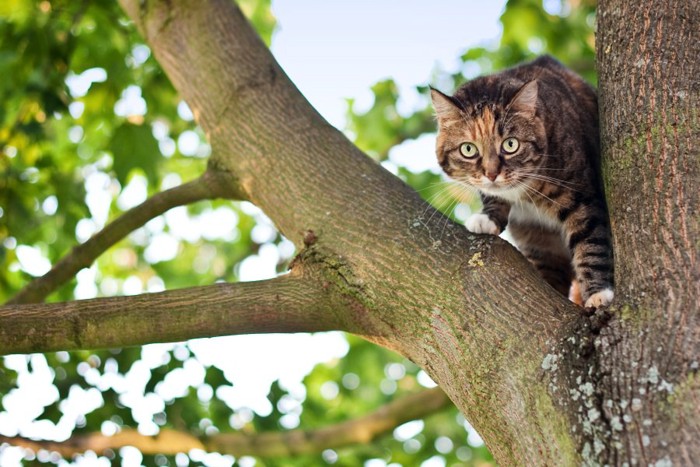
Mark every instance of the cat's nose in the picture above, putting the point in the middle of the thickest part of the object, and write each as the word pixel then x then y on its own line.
pixel 491 175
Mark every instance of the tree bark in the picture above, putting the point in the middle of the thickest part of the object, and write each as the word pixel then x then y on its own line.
pixel 649 354
pixel 468 309
pixel 296 302
pixel 542 382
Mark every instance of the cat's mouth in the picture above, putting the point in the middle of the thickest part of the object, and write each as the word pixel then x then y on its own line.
pixel 504 188
pixel 496 187
pixel 500 183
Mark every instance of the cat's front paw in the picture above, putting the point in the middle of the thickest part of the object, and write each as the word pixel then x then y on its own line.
pixel 599 299
pixel 481 224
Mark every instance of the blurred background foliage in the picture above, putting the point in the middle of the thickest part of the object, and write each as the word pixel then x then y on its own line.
pixel 90 126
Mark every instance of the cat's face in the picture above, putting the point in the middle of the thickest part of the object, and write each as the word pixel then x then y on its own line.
pixel 492 145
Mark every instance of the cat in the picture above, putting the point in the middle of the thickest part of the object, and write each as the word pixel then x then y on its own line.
pixel 527 139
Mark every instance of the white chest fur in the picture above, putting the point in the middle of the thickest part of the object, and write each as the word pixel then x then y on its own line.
pixel 527 213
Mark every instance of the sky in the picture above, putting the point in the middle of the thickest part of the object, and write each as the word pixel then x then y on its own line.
pixel 332 50
pixel 336 49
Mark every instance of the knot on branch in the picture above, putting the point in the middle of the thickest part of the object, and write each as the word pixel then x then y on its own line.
pixel 310 237
pixel 334 269
pixel 598 318
pixel 153 16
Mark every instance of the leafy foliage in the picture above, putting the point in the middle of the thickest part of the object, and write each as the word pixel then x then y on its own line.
pixel 89 127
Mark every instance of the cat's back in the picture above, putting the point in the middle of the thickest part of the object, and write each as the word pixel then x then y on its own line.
pixel 559 84
pixel 568 105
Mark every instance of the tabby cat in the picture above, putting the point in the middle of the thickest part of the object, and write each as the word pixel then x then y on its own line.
pixel 527 140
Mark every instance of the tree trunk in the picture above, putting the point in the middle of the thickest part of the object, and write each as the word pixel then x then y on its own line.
pixel 542 382
pixel 648 61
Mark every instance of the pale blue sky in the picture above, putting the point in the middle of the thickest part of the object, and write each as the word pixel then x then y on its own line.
pixel 336 49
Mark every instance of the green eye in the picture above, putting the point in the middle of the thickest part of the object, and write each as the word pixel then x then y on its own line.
pixel 510 145
pixel 468 150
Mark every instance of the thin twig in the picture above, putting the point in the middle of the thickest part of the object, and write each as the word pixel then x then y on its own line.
pixel 208 186
pixel 270 444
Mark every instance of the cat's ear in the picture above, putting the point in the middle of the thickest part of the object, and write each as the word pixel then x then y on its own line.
pixel 525 100
pixel 445 108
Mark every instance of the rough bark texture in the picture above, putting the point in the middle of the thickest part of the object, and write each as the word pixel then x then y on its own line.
pixel 468 309
pixel 292 303
pixel 649 65
pixel 543 383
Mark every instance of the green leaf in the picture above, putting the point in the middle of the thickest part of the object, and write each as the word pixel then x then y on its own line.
pixel 133 146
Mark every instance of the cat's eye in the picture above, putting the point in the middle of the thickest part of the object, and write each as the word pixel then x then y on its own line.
pixel 468 150
pixel 510 145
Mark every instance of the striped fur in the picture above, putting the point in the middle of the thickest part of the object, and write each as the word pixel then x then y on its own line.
pixel 549 191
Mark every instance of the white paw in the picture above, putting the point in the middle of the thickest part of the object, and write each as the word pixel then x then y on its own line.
pixel 598 299
pixel 481 224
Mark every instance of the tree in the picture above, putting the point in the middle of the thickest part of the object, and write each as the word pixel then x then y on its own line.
pixel 543 382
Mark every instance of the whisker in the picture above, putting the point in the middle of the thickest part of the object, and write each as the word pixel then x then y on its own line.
pixel 447 219
pixel 437 198
pixel 549 179
pixel 527 189
pixel 444 186
pixel 464 190
pixel 541 194
pixel 444 194
pixel 554 181
pixel 540 169
pixel 445 200
pixel 432 185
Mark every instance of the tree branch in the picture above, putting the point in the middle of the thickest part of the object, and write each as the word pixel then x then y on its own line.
pixel 272 444
pixel 296 302
pixel 210 185
pixel 467 308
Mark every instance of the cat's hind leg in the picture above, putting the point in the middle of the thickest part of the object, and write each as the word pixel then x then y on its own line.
pixel 545 249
